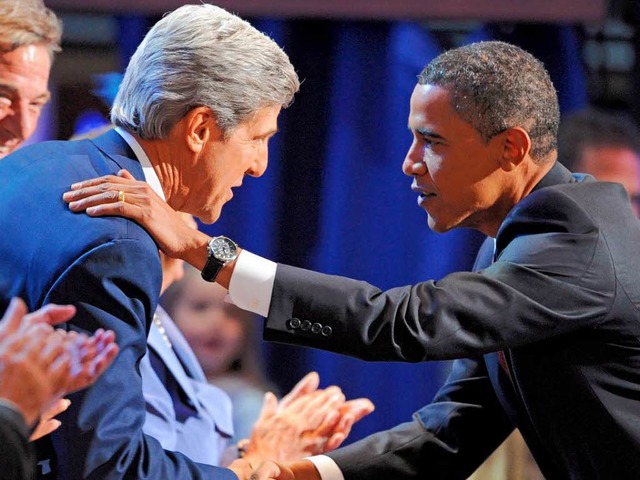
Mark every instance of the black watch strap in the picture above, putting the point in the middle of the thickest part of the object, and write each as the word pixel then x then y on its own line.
pixel 211 268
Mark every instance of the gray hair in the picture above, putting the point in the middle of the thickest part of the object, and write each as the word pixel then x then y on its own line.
pixel 28 22
pixel 495 86
pixel 202 55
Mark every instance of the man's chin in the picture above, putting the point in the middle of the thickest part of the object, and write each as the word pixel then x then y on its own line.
pixel 438 227
pixel 209 217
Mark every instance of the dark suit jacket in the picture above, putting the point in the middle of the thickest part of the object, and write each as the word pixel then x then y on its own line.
pixel 561 300
pixel 109 269
pixel 17 460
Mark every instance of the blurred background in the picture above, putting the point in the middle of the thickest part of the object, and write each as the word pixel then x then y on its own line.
pixel 334 198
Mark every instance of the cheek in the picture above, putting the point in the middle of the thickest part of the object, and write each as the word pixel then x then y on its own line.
pixel 233 334
pixel 191 323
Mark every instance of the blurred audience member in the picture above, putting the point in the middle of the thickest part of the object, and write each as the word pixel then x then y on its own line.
pixel 38 365
pixel 29 36
pixel 224 339
pixel 605 145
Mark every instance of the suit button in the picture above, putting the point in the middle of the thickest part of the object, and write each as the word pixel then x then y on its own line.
pixel 305 325
pixel 316 328
pixel 326 331
pixel 294 323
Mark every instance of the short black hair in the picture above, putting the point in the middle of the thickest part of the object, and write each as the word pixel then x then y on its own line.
pixel 495 86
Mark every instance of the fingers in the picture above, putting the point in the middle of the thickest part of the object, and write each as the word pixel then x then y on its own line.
pixel 100 196
pixel 269 407
pixel 12 318
pixel 47 423
pixel 85 371
pixel 319 407
pixel 125 174
pixel 359 408
pixel 309 383
pixel 337 425
pixel 56 408
pixel 122 178
pixel 333 442
pixel 51 314
pixel 45 427
pixel 272 471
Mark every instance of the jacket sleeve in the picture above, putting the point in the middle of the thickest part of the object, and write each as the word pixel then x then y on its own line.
pixel 16 454
pixel 115 286
pixel 553 275
pixel 447 439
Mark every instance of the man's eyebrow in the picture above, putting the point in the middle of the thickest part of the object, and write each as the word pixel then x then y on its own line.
pixel 270 133
pixel 8 87
pixel 425 132
pixel 12 89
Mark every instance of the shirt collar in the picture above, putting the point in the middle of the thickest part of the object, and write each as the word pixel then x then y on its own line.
pixel 147 169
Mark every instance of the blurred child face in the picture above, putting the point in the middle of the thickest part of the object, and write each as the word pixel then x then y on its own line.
pixel 213 327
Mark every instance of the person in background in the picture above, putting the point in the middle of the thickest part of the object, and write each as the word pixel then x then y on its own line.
pixel 224 339
pixel 38 366
pixel 29 37
pixel 603 144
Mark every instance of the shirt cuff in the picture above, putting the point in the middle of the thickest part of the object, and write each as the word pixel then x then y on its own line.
pixel 251 284
pixel 327 468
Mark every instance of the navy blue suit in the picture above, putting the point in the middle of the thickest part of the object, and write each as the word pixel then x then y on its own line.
pixel 561 300
pixel 109 269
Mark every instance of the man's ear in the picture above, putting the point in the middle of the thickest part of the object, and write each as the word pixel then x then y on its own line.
pixel 200 127
pixel 516 145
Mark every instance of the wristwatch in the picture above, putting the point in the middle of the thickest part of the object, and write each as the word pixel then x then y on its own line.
pixel 222 250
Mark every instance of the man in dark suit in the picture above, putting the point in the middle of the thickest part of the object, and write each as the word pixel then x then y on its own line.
pixel 192 140
pixel 546 330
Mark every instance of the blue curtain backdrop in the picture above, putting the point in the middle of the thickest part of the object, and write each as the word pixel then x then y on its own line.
pixel 334 197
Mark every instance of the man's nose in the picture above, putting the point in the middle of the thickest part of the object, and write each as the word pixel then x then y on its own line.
pixel 413 164
pixel 259 166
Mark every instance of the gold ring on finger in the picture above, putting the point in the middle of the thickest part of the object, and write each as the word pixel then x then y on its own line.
pixel 121 197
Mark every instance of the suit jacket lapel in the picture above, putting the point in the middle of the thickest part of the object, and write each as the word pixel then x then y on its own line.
pixel 171 361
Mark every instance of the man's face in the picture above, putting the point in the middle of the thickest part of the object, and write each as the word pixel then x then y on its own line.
pixel 24 76
pixel 462 182
pixel 614 164
pixel 223 163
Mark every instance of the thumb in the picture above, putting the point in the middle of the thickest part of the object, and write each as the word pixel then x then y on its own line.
pixel 12 319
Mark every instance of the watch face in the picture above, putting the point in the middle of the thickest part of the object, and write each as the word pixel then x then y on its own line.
pixel 223 248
